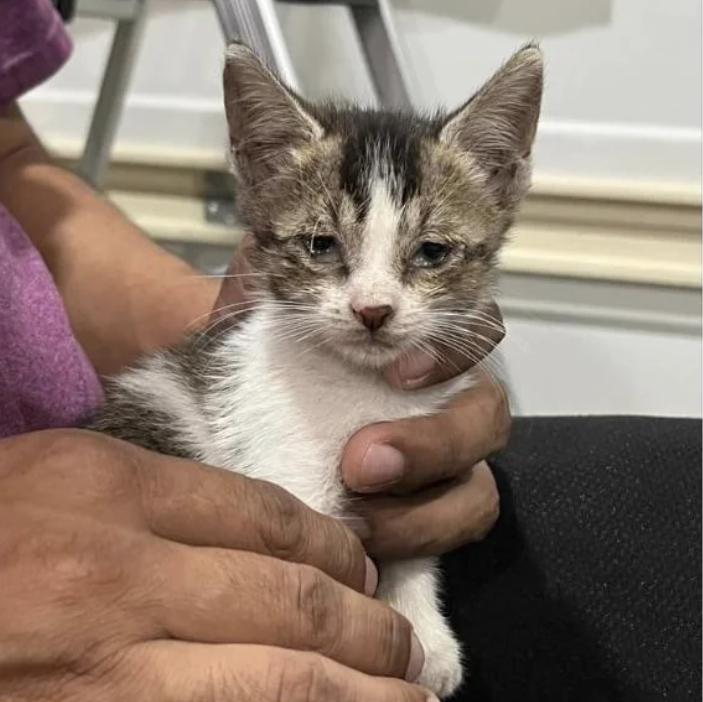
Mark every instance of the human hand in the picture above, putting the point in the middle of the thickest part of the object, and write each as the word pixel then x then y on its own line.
pixel 428 487
pixel 126 575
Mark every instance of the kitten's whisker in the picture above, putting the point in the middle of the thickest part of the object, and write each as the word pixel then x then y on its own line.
pixel 471 319
pixel 491 376
pixel 462 335
pixel 217 310
pixel 314 347
pixel 292 326
pixel 475 353
pixel 427 348
pixel 464 348
pixel 487 344
pixel 515 339
pixel 223 276
pixel 202 336
pixel 228 314
pixel 477 322
pixel 461 350
pixel 466 325
pixel 200 348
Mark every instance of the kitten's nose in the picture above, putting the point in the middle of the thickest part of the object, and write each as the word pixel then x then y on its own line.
pixel 373 318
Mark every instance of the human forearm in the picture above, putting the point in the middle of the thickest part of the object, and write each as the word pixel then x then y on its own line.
pixel 123 293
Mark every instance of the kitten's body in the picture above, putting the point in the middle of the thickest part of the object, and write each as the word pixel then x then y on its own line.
pixel 375 236
pixel 273 410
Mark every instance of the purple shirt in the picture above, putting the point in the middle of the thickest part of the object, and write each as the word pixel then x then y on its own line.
pixel 45 378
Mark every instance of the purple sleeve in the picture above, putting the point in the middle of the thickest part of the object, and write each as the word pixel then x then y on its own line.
pixel 33 46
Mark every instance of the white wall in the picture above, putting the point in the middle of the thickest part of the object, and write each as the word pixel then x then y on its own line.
pixel 558 368
pixel 623 97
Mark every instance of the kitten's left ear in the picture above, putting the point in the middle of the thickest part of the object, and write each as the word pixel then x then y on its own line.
pixel 498 125
pixel 267 120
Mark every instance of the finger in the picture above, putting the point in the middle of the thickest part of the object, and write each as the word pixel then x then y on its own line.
pixel 195 504
pixel 218 596
pixel 182 672
pixel 419 369
pixel 413 453
pixel 434 521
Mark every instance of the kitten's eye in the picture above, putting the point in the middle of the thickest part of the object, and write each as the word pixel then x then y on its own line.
pixel 323 249
pixel 431 254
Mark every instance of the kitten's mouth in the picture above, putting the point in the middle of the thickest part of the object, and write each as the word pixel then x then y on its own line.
pixel 373 339
pixel 370 349
pixel 377 340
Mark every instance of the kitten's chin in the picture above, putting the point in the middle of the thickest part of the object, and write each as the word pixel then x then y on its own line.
pixel 367 355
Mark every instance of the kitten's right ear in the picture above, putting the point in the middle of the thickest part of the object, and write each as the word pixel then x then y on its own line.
pixel 497 126
pixel 266 119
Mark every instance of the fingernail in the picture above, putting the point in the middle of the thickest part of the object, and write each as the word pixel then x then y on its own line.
pixel 371 583
pixel 417 660
pixel 414 367
pixel 381 466
pixel 432 698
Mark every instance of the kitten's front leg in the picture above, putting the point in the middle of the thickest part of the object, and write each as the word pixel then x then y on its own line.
pixel 412 588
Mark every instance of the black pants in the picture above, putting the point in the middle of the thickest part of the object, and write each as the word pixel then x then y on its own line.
pixel 589 588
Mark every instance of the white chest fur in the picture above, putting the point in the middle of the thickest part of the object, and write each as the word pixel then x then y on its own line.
pixel 286 412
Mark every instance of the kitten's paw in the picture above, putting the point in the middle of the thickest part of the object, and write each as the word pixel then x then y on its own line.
pixel 443 670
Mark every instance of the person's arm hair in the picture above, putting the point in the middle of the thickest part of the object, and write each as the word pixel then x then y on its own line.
pixel 124 294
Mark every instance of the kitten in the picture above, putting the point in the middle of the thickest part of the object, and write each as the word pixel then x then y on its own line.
pixel 374 233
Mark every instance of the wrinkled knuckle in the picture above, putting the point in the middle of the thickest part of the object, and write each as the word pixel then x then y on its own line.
pixel 103 470
pixel 452 453
pixel 319 609
pixel 489 514
pixel 300 678
pixel 283 529
pixel 394 634
pixel 70 576
pixel 67 451
pixel 486 504
pixel 219 683
pixel 102 666
pixel 430 543
pixel 75 569
pixel 52 450
pixel 349 554
pixel 66 445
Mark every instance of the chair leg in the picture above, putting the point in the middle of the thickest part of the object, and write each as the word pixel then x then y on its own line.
pixel 383 52
pixel 113 90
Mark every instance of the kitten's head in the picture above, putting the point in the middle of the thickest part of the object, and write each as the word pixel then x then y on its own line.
pixel 377 232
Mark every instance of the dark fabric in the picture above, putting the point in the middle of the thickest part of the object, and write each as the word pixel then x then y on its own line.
pixel 589 588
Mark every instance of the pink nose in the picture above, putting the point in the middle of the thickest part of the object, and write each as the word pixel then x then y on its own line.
pixel 373 318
